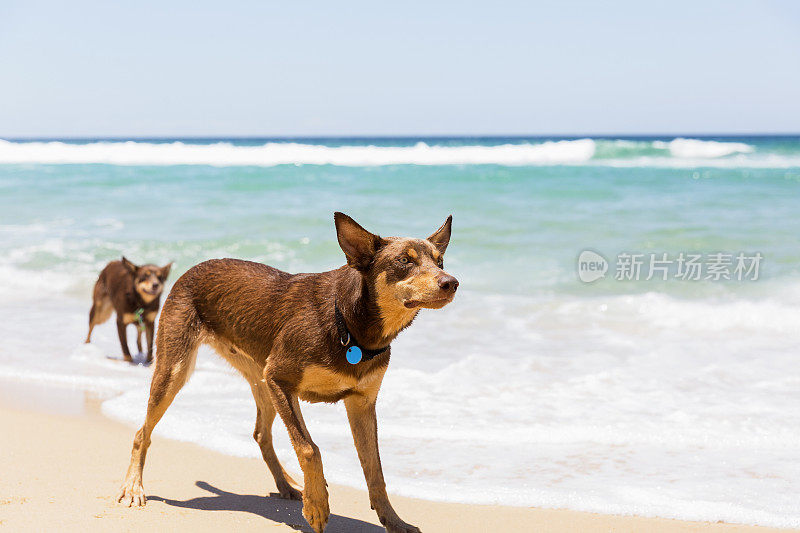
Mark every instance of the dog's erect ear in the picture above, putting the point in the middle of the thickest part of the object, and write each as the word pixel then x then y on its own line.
pixel 358 244
pixel 441 237
pixel 130 266
pixel 164 272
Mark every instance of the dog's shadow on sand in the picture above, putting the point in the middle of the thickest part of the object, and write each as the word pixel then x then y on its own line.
pixel 271 507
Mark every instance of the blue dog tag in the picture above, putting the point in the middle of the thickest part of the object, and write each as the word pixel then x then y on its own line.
pixel 353 355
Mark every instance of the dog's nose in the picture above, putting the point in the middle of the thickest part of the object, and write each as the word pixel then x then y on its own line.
pixel 448 283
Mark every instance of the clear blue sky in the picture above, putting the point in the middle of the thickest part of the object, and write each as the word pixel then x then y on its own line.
pixel 378 68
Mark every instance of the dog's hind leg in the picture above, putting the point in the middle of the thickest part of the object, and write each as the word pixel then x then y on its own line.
pixel 177 351
pixel 122 333
pixel 263 436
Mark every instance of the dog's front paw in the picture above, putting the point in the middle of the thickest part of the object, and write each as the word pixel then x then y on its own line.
pixel 132 494
pixel 315 508
pixel 395 525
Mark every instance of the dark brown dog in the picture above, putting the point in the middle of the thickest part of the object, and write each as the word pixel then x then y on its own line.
pixel 134 293
pixel 289 335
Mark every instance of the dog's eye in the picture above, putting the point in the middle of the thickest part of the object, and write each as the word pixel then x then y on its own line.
pixel 403 259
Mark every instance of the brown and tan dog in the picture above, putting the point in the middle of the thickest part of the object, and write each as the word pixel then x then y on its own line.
pixel 290 335
pixel 134 293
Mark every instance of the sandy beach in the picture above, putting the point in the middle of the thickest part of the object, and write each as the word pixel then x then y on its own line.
pixel 62 463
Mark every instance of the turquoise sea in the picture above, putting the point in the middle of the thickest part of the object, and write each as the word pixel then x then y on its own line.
pixel 675 398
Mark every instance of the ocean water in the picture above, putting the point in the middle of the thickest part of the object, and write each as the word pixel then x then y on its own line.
pixel 672 398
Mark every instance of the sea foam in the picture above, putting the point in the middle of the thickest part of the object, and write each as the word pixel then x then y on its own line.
pixel 695 148
pixel 679 152
pixel 288 153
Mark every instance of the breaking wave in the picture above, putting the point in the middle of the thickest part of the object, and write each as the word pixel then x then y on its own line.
pixel 289 153
pixel 678 152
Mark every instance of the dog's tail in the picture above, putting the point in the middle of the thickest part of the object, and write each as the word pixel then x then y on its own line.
pixel 101 307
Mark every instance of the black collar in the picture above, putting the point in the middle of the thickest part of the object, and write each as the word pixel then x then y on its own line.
pixel 347 340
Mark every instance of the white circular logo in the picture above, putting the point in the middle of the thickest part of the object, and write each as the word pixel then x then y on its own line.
pixel 591 266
